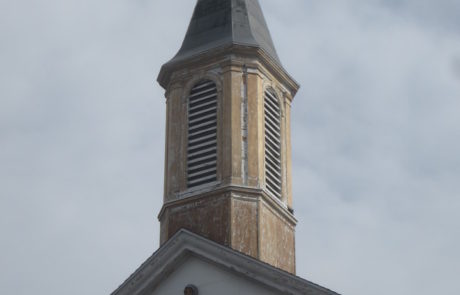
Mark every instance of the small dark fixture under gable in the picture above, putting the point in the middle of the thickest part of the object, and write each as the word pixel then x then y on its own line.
pixel 191 290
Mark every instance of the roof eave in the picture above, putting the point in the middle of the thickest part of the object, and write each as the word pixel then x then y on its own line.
pixel 275 68
pixel 184 243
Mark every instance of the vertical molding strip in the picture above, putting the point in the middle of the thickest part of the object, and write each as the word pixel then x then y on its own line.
pixel 244 126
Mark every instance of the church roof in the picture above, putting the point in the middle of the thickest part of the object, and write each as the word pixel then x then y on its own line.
pixel 217 23
pixel 184 244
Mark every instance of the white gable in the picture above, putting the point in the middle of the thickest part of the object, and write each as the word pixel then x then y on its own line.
pixel 209 279
pixel 190 259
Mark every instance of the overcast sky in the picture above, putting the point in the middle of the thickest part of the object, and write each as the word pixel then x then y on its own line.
pixel 376 140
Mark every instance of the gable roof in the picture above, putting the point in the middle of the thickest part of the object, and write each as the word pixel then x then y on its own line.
pixel 184 243
pixel 217 23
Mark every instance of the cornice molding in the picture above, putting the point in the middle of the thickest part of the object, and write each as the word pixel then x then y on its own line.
pixel 232 53
pixel 225 192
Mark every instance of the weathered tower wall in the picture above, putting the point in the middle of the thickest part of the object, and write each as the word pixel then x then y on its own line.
pixel 235 211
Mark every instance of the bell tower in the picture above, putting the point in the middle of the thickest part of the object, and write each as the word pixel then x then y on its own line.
pixel 228 148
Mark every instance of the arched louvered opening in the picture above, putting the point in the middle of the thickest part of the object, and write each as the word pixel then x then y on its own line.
pixel 272 114
pixel 202 134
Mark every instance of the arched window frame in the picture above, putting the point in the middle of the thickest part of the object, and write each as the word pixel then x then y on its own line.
pixel 202 133
pixel 273 143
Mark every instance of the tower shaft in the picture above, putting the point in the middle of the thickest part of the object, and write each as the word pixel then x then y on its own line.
pixel 228 151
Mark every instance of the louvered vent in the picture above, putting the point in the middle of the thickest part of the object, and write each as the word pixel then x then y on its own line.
pixel 202 134
pixel 272 144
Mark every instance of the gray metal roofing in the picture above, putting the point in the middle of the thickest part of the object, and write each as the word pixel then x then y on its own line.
pixel 217 23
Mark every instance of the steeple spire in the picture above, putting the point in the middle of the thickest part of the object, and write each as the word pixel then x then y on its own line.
pixel 228 158
pixel 221 23
pixel 227 184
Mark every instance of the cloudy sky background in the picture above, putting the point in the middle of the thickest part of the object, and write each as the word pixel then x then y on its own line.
pixel 376 140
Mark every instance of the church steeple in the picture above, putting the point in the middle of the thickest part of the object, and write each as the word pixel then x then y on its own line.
pixel 218 23
pixel 228 153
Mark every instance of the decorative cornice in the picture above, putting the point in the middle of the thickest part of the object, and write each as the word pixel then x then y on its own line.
pixel 228 53
pixel 224 191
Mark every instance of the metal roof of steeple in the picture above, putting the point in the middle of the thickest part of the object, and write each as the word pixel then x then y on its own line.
pixel 217 23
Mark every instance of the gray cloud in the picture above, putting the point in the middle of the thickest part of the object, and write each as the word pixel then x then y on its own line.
pixel 377 147
pixel 443 16
pixel 375 126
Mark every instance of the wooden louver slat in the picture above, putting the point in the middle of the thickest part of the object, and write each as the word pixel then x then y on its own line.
pixel 272 116
pixel 202 134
